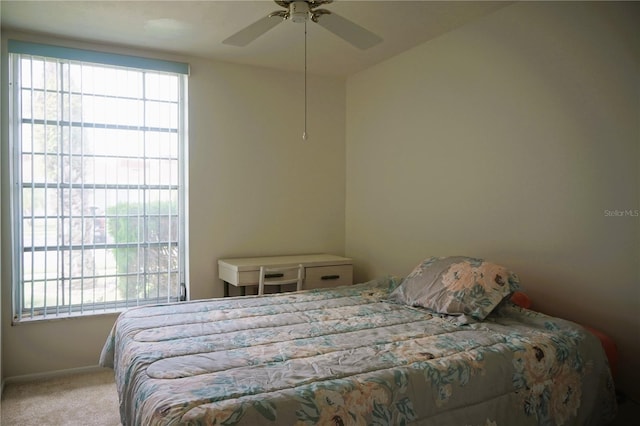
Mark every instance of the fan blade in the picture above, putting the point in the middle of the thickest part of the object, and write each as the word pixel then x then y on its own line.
pixel 350 31
pixel 253 31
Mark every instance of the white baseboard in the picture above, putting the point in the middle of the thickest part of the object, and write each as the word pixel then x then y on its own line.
pixel 52 374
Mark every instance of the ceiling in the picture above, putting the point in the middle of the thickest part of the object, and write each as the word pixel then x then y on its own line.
pixel 197 28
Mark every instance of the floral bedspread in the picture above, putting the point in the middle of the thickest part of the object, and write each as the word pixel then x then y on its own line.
pixel 347 356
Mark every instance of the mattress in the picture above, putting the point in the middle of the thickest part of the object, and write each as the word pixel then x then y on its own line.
pixel 348 356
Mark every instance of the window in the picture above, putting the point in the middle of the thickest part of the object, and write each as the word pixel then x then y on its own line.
pixel 97 163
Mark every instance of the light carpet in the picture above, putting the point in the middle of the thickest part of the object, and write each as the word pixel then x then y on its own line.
pixel 88 399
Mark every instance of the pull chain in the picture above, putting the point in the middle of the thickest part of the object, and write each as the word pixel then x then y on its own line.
pixel 304 133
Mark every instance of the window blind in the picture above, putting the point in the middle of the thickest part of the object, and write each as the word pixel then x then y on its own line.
pixel 98 168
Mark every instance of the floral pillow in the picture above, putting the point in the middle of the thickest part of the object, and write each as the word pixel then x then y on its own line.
pixel 457 286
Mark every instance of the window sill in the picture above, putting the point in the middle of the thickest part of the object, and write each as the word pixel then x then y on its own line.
pixel 75 315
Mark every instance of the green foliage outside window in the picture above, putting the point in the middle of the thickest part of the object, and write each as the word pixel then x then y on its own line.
pixel 146 236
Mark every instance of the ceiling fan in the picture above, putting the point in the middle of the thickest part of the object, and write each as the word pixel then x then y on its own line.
pixel 302 11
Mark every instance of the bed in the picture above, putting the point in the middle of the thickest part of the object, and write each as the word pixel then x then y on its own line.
pixel 366 354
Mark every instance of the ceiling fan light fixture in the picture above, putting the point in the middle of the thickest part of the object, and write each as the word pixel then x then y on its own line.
pixel 302 11
pixel 299 11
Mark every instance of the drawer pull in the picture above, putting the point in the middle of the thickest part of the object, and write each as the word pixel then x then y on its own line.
pixel 330 277
pixel 275 275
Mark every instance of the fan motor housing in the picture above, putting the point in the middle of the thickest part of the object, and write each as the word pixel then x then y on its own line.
pixel 299 11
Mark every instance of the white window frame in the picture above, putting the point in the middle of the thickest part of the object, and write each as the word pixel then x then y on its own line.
pixel 175 272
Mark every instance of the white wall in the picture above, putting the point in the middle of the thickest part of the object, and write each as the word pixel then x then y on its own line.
pixel 256 187
pixel 245 128
pixel 508 139
pixel 3 106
